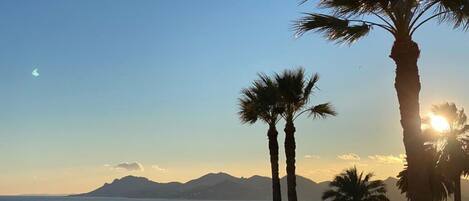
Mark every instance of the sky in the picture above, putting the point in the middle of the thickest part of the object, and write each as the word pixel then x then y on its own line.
pixel 150 88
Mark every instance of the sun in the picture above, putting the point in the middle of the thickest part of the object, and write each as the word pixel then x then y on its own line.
pixel 439 123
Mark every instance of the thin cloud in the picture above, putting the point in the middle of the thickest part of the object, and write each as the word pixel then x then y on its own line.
pixel 135 166
pixel 308 156
pixel 323 171
pixel 349 157
pixel 388 159
pixel 158 168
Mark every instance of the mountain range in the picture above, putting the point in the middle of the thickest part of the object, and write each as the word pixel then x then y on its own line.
pixel 222 186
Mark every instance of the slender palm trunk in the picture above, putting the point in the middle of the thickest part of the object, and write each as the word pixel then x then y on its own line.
pixel 290 147
pixel 405 54
pixel 457 188
pixel 273 148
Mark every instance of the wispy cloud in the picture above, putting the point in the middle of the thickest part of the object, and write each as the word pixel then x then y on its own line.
pixel 349 157
pixel 308 156
pixel 388 159
pixel 158 168
pixel 135 166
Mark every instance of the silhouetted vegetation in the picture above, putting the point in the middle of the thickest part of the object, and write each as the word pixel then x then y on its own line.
pixel 452 144
pixel 261 102
pixel 285 95
pixel 353 186
pixel 295 90
pixel 351 20
pixel 440 186
pixel 447 153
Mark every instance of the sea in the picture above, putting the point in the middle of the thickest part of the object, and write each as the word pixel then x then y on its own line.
pixel 64 198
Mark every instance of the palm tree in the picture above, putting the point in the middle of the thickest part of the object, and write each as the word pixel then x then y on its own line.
pixel 295 90
pixel 260 102
pixel 351 186
pixel 452 144
pixel 353 19
pixel 441 186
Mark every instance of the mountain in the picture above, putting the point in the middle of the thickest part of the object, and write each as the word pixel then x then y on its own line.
pixel 222 186
pixel 393 192
pixel 135 187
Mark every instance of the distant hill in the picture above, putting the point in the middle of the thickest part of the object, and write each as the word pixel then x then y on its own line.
pixel 222 186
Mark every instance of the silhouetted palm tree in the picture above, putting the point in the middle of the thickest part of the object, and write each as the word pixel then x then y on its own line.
pixel 353 19
pixel 295 90
pixel 261 102
pixel 452 144
pixel 351 186
pixel 441 186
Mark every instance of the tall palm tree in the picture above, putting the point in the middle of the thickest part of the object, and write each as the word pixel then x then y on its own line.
pixel 441 186
pixel 261 102
pixel 352 186
pixel 351 20
pixel 452 144
pixel 295 90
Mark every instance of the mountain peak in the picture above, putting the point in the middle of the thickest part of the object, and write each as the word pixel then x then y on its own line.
pixel 223 174
pixel 131 178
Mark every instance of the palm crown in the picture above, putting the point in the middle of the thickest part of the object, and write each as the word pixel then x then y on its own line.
pixel 260 101
pixel 351 185
pixel 353 19
pixel 295 90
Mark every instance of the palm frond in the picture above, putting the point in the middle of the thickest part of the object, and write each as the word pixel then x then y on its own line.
pixel 354 7
pixel 310 85
pixel 350 20
pixel 322 110
pixel 402 184
pixel 441 187
pixel 260 101
pixel 247 109
pixel 333 28
pixel 291 84
pixel 331 194
pixel 456 12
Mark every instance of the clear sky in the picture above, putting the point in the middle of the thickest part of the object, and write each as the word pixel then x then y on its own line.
pixel 157 82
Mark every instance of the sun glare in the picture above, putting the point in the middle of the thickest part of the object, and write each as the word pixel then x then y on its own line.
pixel 439 123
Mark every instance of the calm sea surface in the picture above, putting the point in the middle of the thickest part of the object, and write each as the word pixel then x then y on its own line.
pixel 58 198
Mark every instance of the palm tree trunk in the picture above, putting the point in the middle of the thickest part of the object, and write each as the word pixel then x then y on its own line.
pixel 273 148
pixel 405 54
pixel 457 188
pixel 290 147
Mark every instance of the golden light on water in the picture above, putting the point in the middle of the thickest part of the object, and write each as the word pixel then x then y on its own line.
pixel 439 123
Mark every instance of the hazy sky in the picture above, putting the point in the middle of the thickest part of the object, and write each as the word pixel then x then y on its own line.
pixel 157 82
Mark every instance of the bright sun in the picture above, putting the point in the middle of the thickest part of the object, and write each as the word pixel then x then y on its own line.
pixel 439 123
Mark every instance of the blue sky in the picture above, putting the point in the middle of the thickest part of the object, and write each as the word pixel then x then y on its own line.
pixel 157 82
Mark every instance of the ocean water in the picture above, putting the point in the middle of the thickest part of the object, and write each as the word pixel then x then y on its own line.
pixel 60 198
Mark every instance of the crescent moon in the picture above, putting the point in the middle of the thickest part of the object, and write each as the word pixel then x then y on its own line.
pixel 35 72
